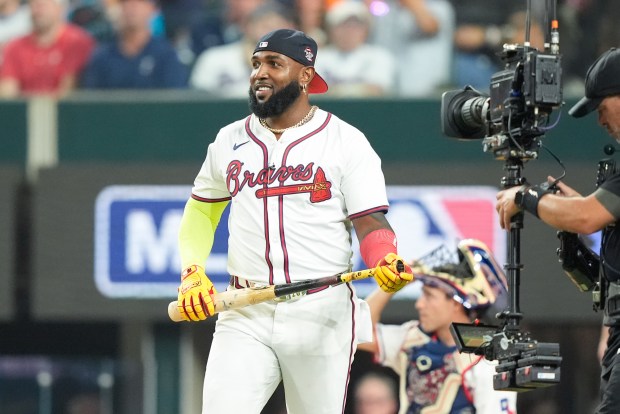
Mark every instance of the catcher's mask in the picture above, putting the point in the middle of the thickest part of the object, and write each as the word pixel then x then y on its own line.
pixel 474 279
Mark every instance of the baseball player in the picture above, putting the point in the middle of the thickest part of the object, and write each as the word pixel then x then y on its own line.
pixel 298 179
pixel 434 376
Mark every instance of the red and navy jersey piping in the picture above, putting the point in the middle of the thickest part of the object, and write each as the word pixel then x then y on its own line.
pixel 210 200
pixel 380 209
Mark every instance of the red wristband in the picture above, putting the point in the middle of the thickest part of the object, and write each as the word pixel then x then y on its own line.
pixel 376 245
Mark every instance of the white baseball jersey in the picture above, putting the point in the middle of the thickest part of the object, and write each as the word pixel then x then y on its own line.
pixel 293 198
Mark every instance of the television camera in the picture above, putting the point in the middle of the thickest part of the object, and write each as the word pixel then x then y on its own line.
pixel 514 117
pixel 511 121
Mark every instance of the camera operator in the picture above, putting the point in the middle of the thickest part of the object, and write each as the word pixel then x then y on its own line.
pixel 570 211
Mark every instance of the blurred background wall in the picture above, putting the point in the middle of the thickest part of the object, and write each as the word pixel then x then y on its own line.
pixel 64 346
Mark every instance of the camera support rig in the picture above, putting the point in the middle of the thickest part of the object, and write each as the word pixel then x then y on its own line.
pixel 513 315
pixel 523 363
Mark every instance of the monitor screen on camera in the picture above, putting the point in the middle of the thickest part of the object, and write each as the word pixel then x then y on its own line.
pixel 471 338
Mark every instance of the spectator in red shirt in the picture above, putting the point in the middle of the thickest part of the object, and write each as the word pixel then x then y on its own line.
pixel 49 59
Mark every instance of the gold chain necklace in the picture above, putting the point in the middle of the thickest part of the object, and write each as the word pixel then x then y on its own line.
pixel 304 120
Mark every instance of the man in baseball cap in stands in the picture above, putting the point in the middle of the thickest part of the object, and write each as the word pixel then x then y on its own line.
pixel 569 211
pixel 351 65
pixel 298 180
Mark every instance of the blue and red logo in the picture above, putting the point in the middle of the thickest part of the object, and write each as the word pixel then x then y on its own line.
pixel 136 228
pixel 426 217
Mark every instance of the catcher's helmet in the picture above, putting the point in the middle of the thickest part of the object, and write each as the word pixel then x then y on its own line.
pixel 474 279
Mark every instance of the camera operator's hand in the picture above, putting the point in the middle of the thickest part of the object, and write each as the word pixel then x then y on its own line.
pixel 563 189
pixel 506 207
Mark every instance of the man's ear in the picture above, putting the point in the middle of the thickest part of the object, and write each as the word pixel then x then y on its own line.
pixel 306 75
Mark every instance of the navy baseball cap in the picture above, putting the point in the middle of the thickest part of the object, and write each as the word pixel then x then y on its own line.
pixel 602 80
pixel 299 47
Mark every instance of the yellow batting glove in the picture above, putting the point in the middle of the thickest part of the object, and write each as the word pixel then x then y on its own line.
pixel 195 301
pixel 392 273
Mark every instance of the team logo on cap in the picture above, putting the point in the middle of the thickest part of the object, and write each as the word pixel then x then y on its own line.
pixel 263 44
pixel 309 54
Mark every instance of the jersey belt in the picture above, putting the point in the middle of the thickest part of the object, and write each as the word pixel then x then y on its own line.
pixel 240 283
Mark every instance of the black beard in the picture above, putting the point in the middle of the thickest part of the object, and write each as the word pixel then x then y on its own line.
pixel 277 104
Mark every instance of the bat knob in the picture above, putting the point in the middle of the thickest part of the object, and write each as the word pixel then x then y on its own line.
pixel 173 312
pixel 400 266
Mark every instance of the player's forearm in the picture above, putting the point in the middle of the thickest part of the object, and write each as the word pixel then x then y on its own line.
pixel 375 236
pixel 197 231
pixel 367 224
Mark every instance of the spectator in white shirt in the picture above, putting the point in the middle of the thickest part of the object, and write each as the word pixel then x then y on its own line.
pixel 224 70
pixel 419 33
pixel 350 66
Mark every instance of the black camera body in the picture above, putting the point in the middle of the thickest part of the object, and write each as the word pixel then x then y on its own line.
pixel 510 120
pixel 523 364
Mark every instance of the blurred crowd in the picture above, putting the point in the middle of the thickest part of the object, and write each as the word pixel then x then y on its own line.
pixel 367 48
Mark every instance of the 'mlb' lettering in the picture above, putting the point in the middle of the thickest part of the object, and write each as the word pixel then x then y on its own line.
pixel 149 249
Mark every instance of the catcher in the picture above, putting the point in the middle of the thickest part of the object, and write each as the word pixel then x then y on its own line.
pixel 434 376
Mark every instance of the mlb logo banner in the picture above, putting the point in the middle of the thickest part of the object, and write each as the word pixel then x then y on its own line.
pixel 136 241
pixel 426 217
pixel 136 233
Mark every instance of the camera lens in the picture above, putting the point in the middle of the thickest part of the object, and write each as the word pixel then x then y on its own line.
pixel 463 113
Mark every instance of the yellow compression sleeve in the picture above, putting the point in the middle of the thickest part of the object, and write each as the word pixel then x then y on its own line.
pixel 197 231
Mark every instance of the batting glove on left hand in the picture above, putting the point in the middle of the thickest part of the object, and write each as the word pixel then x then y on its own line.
pixel 195 301
pixel 392 273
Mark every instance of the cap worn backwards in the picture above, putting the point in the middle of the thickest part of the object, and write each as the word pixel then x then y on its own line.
pixel 297 46
pixel 602 80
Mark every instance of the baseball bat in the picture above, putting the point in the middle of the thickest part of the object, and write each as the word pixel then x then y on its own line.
pixel 235 299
